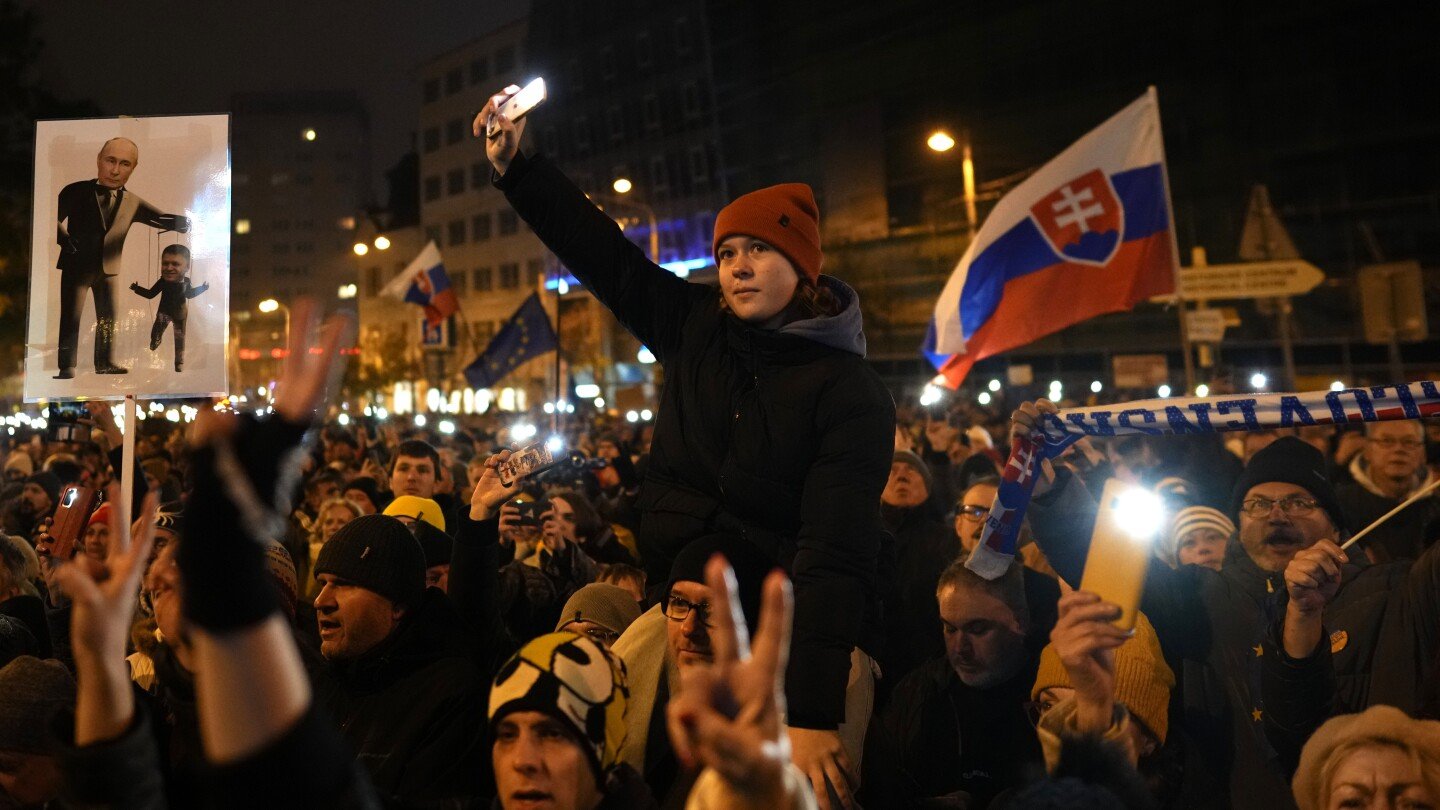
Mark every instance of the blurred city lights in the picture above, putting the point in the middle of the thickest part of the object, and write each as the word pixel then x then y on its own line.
pixel 382 243
pixel 645 355
pixel 929 395
pixel 344 419
pixel 1337 386
pixel 631 416
pixel 646 415
pixel 1163 391
pixel 309 135
pixel 1258 380
pixel 419 420
pixel 587 390
pixel 361 248
pixel 984 398
pixel 268 305
pixel 522 431
pixel 622 185
pixel 994 385
pixel 447 427
pixel 940 141
pixel 1096 387
pixel 1202 390
pixel 554 444
pixel 599 402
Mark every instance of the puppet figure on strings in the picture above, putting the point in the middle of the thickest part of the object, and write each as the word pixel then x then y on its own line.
pixel 174 290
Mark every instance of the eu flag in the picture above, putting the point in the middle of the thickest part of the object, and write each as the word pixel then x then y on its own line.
pixel 527 334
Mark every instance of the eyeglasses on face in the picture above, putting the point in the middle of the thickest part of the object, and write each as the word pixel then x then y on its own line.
pixel 975 513
pixel 677 609
pixel 1291 505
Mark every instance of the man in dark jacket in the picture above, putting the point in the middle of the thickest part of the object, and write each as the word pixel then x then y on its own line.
pixel 924 546
pixel 1214 626
pixel 957 728
pixel 1386 472
pixel 405 676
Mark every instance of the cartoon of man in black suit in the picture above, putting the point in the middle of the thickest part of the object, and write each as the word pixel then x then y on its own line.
pixel 94 217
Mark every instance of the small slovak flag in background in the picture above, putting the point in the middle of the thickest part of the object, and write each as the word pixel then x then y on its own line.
pixel 1089 233
pixel 425 282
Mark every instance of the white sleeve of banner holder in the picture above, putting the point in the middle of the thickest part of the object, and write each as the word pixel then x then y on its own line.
pixel 428 257
pixel 1172 417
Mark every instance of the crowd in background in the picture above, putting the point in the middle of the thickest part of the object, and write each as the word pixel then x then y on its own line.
pixel 405 594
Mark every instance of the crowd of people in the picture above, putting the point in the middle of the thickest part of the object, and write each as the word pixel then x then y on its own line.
pixel 761 601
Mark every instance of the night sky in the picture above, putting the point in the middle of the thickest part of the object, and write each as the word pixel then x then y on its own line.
pixel 160 58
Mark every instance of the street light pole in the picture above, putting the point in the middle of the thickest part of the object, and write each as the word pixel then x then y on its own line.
pixel 622 188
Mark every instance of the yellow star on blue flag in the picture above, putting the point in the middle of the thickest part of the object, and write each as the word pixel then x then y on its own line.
pixel 526 335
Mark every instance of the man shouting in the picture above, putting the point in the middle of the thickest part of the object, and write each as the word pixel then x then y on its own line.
pixel 92 220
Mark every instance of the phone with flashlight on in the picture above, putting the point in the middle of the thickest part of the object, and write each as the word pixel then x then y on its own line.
pixel 1121 545
pixel 515 106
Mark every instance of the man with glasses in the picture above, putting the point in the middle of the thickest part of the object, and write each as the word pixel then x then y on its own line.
pixel 1388 470
pixel 670 638
pixel 1221 630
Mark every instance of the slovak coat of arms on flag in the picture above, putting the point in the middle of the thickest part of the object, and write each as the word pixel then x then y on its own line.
pixel 1088 233
pixel 1082 219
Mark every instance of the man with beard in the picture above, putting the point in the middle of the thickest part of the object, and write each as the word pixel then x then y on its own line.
pixel 34 503
pixel 1219 629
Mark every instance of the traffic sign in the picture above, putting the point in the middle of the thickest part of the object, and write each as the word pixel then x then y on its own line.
pixel 1206 325
pixel 1273 279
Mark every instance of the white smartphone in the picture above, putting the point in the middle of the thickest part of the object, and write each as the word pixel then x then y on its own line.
pixel 516 106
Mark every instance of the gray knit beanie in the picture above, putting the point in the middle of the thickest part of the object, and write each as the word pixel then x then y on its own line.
pixel 31 693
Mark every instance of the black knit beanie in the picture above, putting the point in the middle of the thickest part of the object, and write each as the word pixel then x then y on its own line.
pixel 379 554
pixel 750 564
pixel 1292 461
pixel 49 482
pixel 434 544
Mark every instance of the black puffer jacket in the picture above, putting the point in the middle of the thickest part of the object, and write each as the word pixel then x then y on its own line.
pixel 785 436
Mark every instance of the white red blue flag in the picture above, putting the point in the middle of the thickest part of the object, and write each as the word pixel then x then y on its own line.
pixel 1089 233
pixel 425 282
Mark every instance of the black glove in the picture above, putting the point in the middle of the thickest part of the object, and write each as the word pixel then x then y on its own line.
pixel 240 498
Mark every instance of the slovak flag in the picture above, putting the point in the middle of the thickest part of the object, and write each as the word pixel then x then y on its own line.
pixel 425 282
pixel 1089 233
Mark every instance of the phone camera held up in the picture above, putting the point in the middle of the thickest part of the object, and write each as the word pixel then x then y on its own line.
pixel 64 422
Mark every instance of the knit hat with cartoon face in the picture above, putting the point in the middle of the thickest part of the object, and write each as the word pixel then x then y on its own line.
pixel 575 680
pixel 784 217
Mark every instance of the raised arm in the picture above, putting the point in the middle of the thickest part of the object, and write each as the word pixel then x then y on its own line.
pixel 475 564
pixel 258 723
pixel 191 292
pixel 150 292
pixel 650 301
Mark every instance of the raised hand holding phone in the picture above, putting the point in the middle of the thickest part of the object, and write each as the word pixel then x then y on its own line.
pixel 501 146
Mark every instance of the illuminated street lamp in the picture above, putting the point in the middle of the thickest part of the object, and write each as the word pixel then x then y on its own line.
pixel 361 248
pixel 623 186
pixel 382 243
pixel 940 141
pixel 309 135
pixel 268 306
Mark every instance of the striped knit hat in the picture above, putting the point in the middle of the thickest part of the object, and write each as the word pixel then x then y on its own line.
pixel 1188 520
